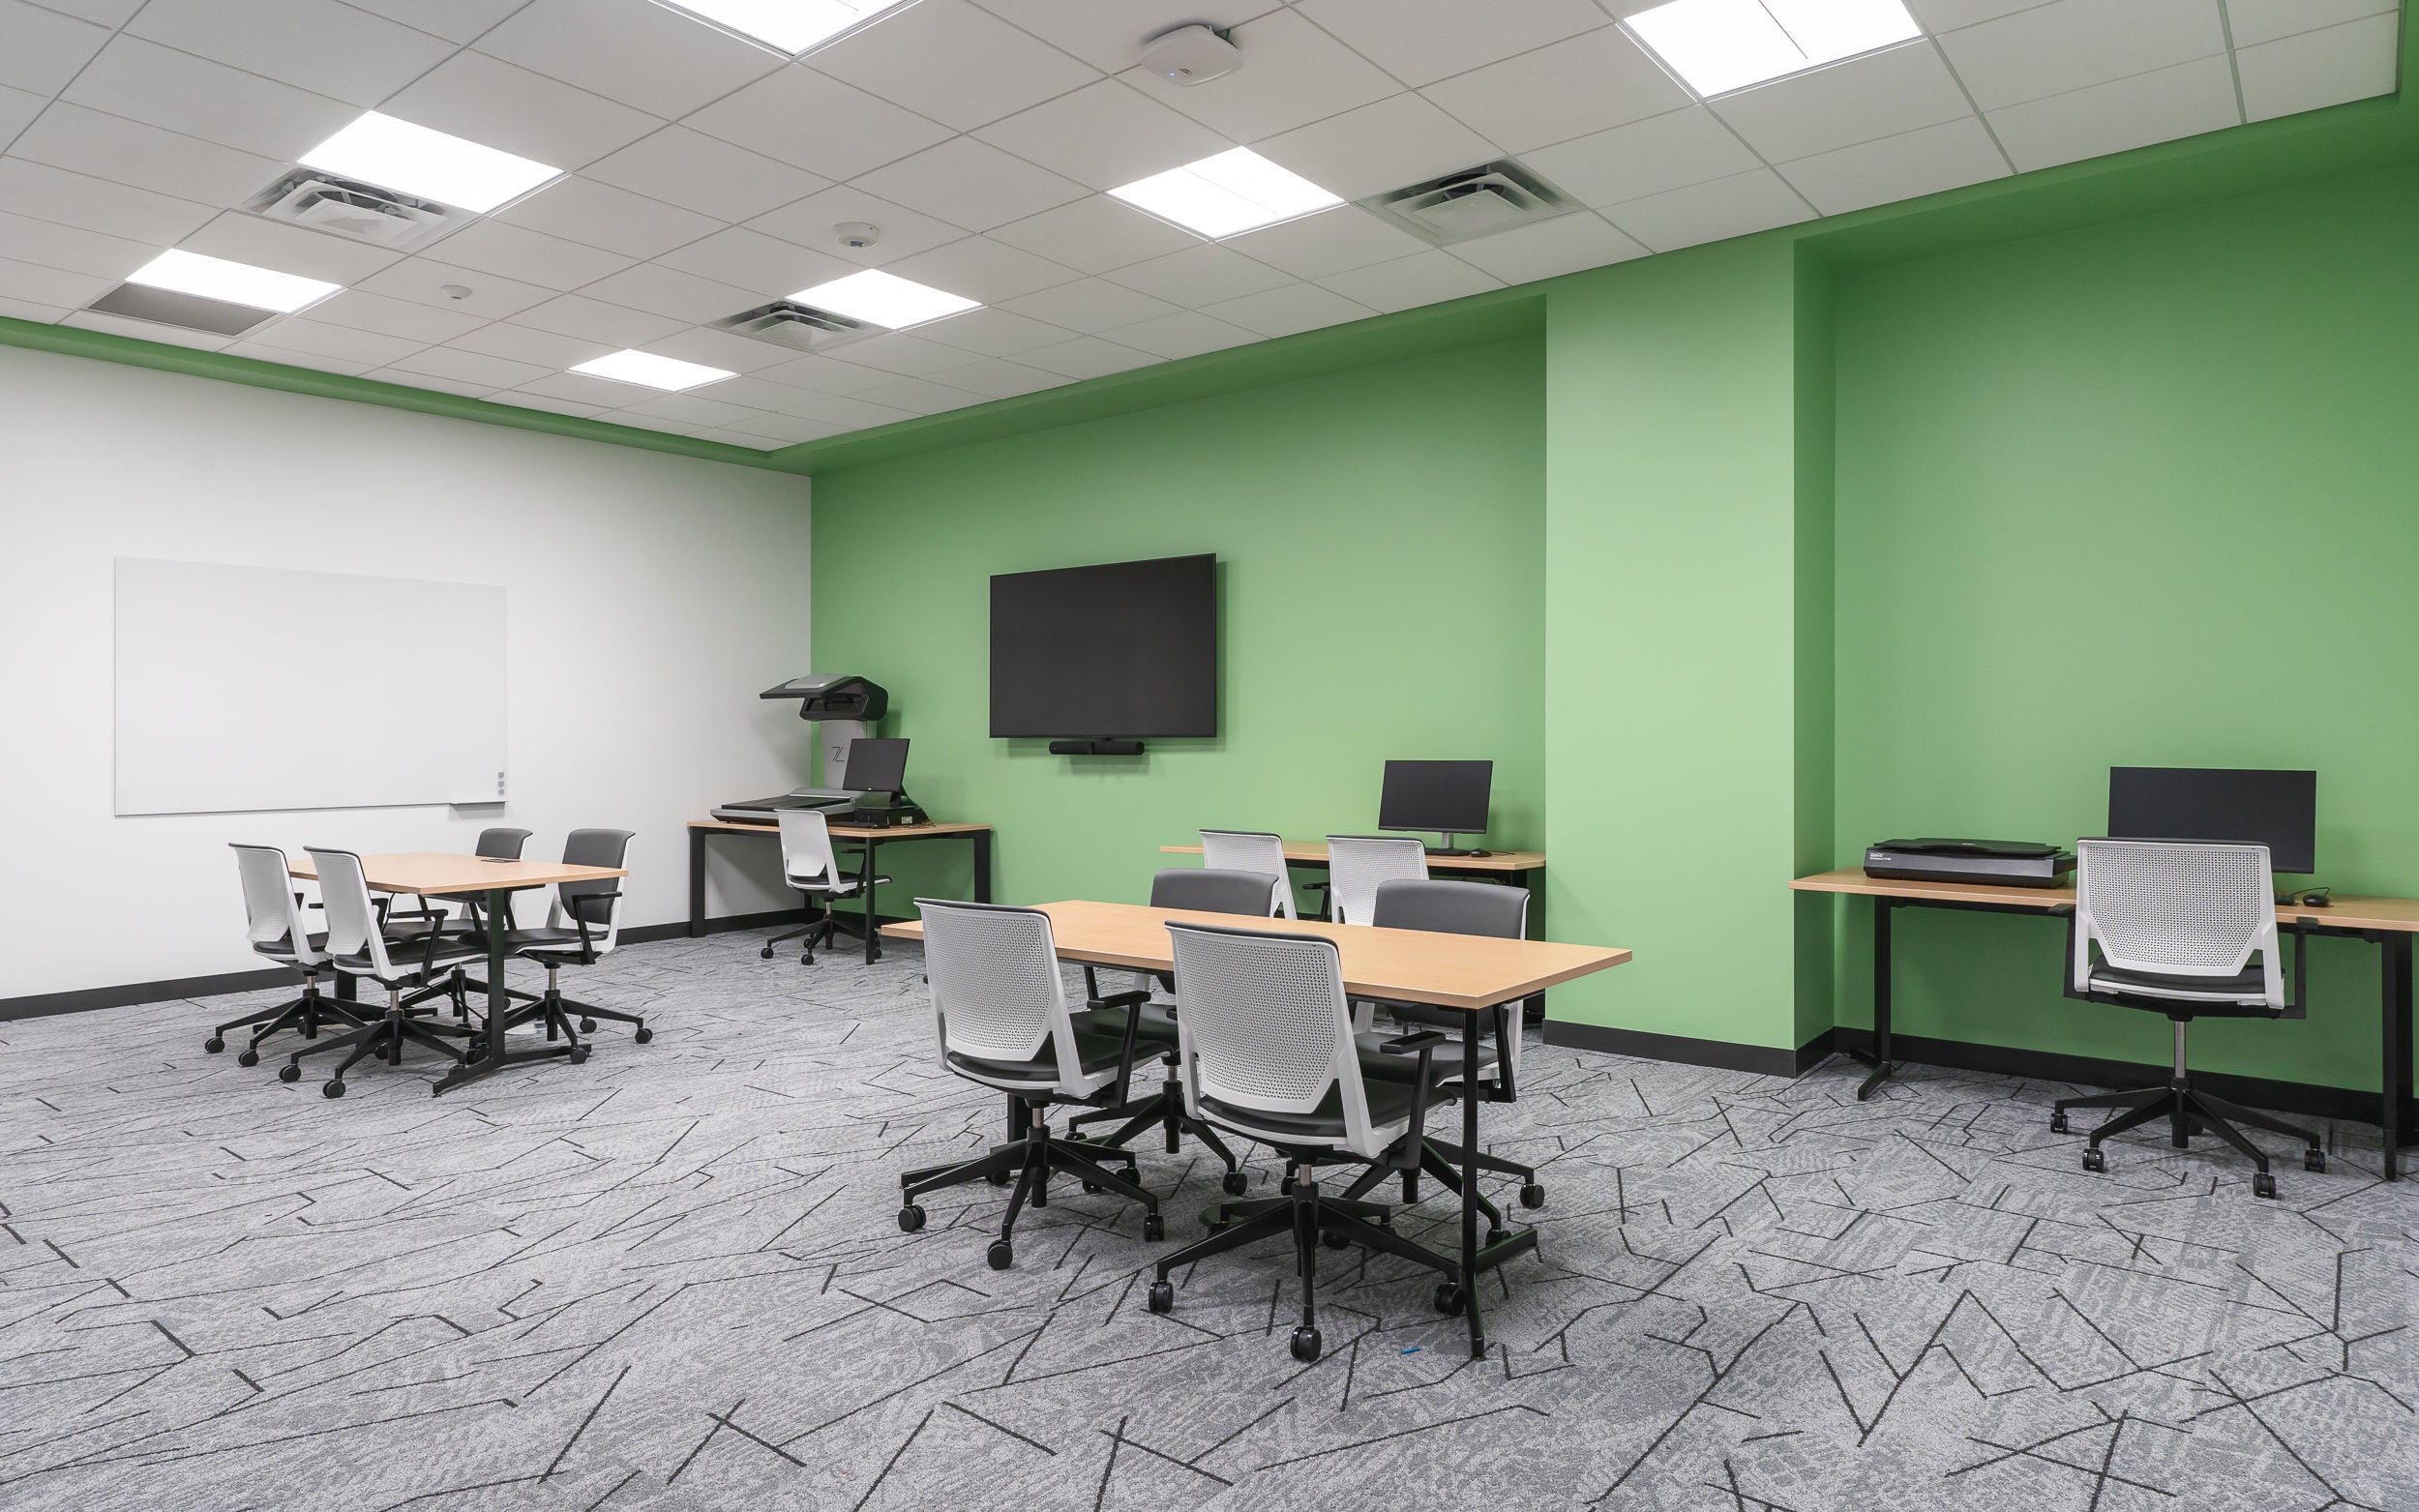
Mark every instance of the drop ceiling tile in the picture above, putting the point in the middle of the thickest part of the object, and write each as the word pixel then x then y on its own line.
pixel 148 156
pixel 1756 200
pixel 1946 16
pixel 1398 141
pixel 814 222
pixel 818 123
pixel 983 270
pixel 291 357
pixel 1187 333
pixel 2070 44
pixel 1591 82
pixel 842 410
pixel 464 366
pixel 48 193
pixel 600 215
pixel 1332 240
pixel 899 353
pixel 787 430
pixel 320 45
pixel 1644 158
pixel 455 20
pixel 642 55
pixel 920 395
pixel 1904 167
pixel 953 62
pixel 721 349
pixel 546 349
pixel 432 382
pixel 1292 73
pixel 424 280
pixel 595 320
pixel 1549 249
pixel 579 389
pixel 58 288
pixel 2251 22
pixel 1289 310
pixel 2157 107
pixel 674 294
pixel 1106 134
pixel 1881 95
pixel 992 332
pixel 1109 34
pixel 1422 41
pixel 970 183
pixel 1421 279
pixel 41 50
pixel 2306 72
pixel 1094 235
pixel 17 109
pixel 752 391
pixel 508 107
pixel 70 247
pixel 145 82
pixel 697 408
pixel 531 257
pixel 1090 305
pixel 523 398
pixel 826 375
pixel 1087 357
pixel 27 309
pixel 994 378
pixel 1199 276
pixel 768 266
pixel 423 324
pixel 324 339
pixel 289 249
pixel 146 331
pixel 109 13
pixel 704 174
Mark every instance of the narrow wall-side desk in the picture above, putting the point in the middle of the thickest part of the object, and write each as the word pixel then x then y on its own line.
pixel 2387 923
pixel 871 837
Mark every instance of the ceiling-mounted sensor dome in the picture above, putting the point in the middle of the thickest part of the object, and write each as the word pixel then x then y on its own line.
pixel 1191 55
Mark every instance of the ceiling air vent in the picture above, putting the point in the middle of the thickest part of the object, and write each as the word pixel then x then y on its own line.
pixel 799 327
pixel 364 212
pixel 1475 202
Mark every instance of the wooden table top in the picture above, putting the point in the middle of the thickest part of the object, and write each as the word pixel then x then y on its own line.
pixel 2346 911
pixel 441 872
pixel 1311 852
pixel 924 831
pixel 1468 972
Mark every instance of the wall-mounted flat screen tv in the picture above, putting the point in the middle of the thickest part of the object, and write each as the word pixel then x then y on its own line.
pixel 1120 651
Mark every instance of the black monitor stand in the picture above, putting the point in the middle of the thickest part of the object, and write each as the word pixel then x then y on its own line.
pixel 1448 850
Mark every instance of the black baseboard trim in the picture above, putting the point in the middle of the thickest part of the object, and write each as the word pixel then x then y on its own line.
pixel 645 934
pixel 1764 1060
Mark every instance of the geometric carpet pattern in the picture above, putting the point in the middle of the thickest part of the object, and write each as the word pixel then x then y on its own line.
pixel 671 1278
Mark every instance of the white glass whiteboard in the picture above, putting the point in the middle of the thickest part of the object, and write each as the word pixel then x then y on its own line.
pixel 252 688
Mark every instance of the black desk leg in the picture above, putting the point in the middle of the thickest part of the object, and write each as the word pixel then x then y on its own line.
pixel 1470 1192
pixel 1879 1059
pixel 492 1058
pixel 1535 1010
pixel 697 883
pixel 2394 1082
pixel 865 890
pixel 982 866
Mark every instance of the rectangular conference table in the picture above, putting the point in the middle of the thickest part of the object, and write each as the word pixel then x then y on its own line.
pixel 437 873
pixel 1477 974
pixel 870 835
pixel 2387 923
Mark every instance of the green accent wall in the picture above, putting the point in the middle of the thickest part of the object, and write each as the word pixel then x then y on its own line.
pixel 2136 495
pixel 1380 537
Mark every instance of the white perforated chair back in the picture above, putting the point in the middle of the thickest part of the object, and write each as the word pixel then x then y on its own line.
pixel 993 972
pixel 806 856
pixel 1250 850
pixel 1358 864
pixel 1265 1028
pixel 2175 907
pixel 270 915
pixel 352 923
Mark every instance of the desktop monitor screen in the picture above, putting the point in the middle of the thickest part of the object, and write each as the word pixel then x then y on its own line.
pixel 2279 810
pixel 1448 797
pixel 877 765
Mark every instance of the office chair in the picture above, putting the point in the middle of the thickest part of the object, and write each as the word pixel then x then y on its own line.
pixel 1266 1044
pixel 1356 864
pixel 808 864
pixel 1202 890
pixel 582 927
pixel 1250 850
pixel 1001 1010
pixel 2177 924
pixel 273 917
pixel 356 948
pixel 1455 908
pixel 497 843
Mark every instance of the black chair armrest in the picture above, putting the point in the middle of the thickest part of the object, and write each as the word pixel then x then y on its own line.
pixel 1120 1000
pixel 1413 1043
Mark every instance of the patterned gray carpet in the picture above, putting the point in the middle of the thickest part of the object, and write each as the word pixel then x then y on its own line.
pixel 671 1279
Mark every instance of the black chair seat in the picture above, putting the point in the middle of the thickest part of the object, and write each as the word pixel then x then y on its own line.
pixel 1389 1101
pixel 1093 1053
pixel 1443 1061
pixel 2245 989
pixel 1157 1026
pixel 411 959
pixel 284 945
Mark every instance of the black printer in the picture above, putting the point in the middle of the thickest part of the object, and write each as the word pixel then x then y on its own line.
pixel 2004 863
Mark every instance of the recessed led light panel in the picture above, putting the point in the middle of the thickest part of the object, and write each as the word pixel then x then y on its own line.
pixel 1228 194
pixel 236 283
pixel 790 25
pixel 669 373
pixel 1720 46
pixel 414 159
pixel 883 299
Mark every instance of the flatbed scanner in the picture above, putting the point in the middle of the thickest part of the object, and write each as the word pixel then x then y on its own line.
pixel 2002 863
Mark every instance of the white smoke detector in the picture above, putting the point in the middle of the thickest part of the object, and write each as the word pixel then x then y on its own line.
pixel 1191 55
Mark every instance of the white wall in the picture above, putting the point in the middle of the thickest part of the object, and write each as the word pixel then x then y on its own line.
pixel 650 597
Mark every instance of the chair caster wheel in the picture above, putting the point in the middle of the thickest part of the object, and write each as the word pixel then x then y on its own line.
pixel 998 1178
pixel 910 1218
pixel 1094 1188
pixel 2263 1185
pixel 1155 1228
pixel 250 1057
pixel 1305 1345
pixel 1001 1254
pixel 578 1053
pixel 766 954
pixel 2315 1160
pixel 289 1073
pixel 1334 1240
pixel 1162 1296
pixel 2094 1160
pixel 1448 1297
pixel 1235 1183
pixel 214 1044
pixel 642 1034
pixel 1494 1237
pixel 333 1089
pixel 1285 1187
pixel 1533 1197
pixel 2058 1123
pixel 588 1026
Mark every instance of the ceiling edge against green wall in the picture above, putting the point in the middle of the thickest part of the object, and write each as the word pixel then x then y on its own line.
pixel 75 342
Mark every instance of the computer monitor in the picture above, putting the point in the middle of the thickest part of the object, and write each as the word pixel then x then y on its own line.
pixel 877 765
pixel 1448 797
pixel 2277 809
